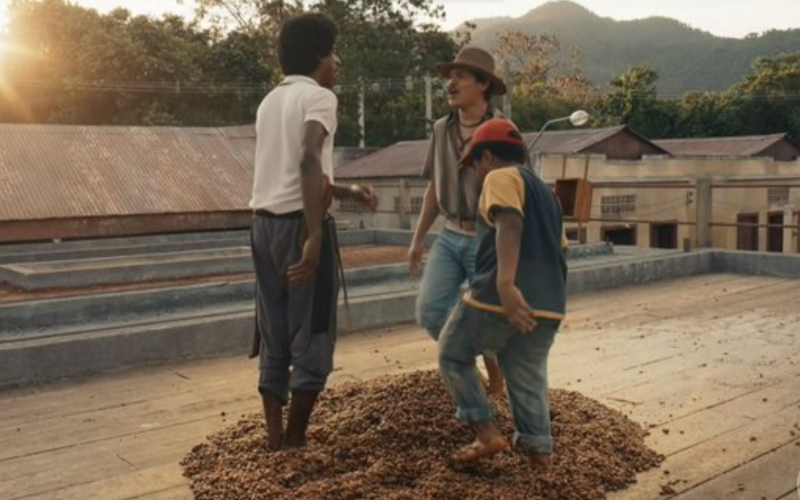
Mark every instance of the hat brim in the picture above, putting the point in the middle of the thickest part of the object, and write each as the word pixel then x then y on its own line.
pixel 498 86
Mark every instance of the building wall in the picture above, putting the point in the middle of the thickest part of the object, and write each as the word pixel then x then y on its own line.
pixel 388 214
pixel 680 204
pixel 651 206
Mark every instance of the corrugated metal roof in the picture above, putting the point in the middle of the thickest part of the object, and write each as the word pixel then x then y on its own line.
pixel 572 141
pixel 752 145
pixel 243 139
pixel 58 171
pixel 405 159
pixel 402 159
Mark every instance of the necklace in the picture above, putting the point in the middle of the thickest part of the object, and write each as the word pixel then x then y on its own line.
pixel 471 125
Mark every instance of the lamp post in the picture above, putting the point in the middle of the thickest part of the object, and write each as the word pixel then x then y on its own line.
pixel 577 119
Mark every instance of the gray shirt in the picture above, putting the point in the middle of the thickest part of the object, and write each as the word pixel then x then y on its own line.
pixel 456 185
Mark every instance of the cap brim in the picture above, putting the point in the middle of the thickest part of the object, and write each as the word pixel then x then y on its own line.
pixel 498 86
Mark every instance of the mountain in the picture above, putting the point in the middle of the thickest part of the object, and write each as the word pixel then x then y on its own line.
pixel 684 57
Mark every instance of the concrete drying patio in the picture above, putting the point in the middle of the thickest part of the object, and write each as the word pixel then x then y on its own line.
pixel 76 332
pixel 90 333
pixel 710 362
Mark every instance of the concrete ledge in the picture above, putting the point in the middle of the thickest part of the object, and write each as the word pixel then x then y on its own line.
pixel 592 250
pixel 204 333
pixel 73 265
pixel 115 243
pixel 84 267
pixel 638 271
pixel 46 360
pixel 127 269
pixel 757 263
pixel 62 315
pixel 35 361
pixel 401 237
pixel 353 237
pixel 38 255
pixel 377 311
pixel 137 245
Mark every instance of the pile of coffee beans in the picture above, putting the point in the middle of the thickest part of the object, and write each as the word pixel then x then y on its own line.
pixel 391 439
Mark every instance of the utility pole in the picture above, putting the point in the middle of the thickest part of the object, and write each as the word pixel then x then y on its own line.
pixel 509 85
pixel 428 104
pixel 361 112
pixel 703 212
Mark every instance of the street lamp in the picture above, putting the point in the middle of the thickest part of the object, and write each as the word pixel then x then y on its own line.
pixel 577 119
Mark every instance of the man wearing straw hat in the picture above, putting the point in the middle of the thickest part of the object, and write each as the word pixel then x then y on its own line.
pixel 453 192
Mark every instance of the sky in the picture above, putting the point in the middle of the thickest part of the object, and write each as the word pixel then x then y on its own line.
pixel 731 18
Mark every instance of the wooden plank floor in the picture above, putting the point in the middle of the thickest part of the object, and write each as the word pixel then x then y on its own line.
pixel 710 363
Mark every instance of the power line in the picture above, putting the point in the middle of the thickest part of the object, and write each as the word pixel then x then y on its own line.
pixel 369 86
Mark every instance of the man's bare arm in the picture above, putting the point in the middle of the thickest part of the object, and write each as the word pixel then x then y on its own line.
pixel 427 216
pixel 362 194
pixel 312 184
pixel 508 241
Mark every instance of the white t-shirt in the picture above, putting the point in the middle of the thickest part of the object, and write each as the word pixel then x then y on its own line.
pixel 280 124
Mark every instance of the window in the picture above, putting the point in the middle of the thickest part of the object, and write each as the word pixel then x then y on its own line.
pixel 778 196
pixel 664 235
pixel 618 204
pixel 351 206
pixel 775 232
pixel 619 235
pixel 747 232
pixel 415 204
pixel 573 234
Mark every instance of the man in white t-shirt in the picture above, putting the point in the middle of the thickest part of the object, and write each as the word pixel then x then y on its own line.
pixel 293 239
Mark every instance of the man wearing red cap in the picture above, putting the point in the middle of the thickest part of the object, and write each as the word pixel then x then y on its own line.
pixel 516 301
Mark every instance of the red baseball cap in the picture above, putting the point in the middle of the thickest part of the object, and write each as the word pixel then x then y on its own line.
pixel 493 130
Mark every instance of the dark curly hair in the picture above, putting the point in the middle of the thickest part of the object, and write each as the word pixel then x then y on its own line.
pixel 305 40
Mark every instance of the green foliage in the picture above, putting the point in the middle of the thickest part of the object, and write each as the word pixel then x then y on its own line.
pixel 761 103
pixel 379 42
pixel 75 65
pixel 769 98
pixel 635 102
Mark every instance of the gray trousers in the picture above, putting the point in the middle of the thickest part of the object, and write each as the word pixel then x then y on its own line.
pixel 296 322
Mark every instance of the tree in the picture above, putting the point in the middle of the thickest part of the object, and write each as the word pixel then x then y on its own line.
pixel 74 65
pixel 538 94
pixel 705 114
pixel 634 102
pixel 251 17
pixel 382 43
pixel 256 19
pixel 531 59
pixel 766 101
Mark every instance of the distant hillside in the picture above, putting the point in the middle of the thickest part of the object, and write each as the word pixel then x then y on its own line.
pixel 685 58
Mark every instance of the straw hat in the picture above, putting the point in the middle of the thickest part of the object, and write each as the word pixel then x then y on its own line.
pixel 478 61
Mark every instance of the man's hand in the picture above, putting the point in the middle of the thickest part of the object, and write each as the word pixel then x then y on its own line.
pixel 365 195
pixel 307 266
pixel 518 312
pixel 415 253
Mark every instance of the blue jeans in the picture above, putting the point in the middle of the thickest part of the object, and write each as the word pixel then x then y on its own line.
pixel 523 362
pixel 451 261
